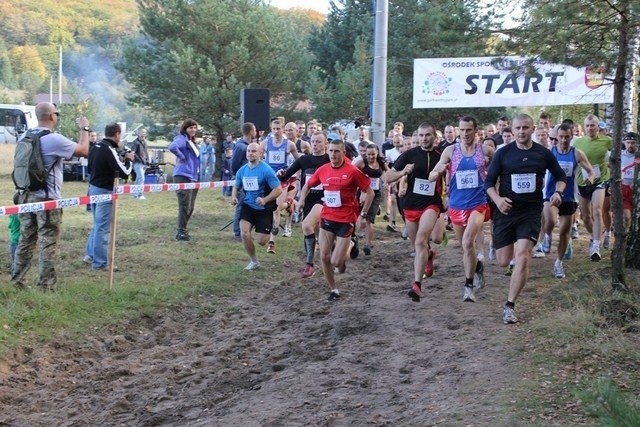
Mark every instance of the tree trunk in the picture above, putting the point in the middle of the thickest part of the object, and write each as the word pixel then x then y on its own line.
pixel 617 254
pixel 632 255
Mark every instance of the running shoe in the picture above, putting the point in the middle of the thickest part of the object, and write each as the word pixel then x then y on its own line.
pixel 492 252
pixel 416 292
pixel 509 315
pixel 605 241
pixel 271 247
pixel 355 249
pixel 392 228
pixel 546 244
pixel 558 271
pixel 594 252
pixel 568 254
pixel 405 233
pixel 333 296
pixel 253 265
pixel 509 270
pixel 428 267
pixel 287 231
pixel 308 271
pixel 575 234
pixel 367 250
pixel 468 294
pixel 341 268
pixel 87 259
pixel 295 218
pixel 538 252
pixel 275 230
pixel 478 276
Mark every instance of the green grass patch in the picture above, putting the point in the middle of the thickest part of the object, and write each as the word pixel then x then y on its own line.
pixel 155 271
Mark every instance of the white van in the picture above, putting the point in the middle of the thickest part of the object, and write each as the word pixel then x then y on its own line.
pixel 15 120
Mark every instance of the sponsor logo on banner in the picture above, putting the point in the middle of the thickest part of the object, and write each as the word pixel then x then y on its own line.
pixel 136 188
pixel 119 189
pixel 67 203
pixel 156 188
pixel 174 187
pixel 436 84
pixel 190 185
pixel 594 77
pixel 31 207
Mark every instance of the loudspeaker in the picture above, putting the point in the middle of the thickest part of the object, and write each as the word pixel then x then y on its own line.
pixel 255 108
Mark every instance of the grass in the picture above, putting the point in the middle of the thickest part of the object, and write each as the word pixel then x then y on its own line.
pixel 155 271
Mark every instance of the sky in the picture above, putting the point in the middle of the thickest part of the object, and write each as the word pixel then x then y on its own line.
pixel 321 6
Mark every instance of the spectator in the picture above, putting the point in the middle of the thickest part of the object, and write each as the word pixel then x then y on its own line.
pixel 43 228
pixel 141 161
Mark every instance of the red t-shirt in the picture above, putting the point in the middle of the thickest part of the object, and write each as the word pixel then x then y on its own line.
pixel 340 187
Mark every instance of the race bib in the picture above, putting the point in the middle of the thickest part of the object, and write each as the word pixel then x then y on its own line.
pixel 317 187
pixel 375 184
pixel 275 157
pixel 424 187
pixel 628 174
pixel 567 167
pixel 522 183
pixel 250 183
pixel 332 199
pixel 596 172
pixel 467 179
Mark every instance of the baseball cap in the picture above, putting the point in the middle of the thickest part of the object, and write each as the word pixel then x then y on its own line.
pixel 602 125
pixel 630 136
pixel 332 136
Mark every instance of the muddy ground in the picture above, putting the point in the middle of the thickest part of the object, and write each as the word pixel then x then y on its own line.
pixel 278 355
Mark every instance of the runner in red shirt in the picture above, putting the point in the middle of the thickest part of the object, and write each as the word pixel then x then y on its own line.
pixel 340 181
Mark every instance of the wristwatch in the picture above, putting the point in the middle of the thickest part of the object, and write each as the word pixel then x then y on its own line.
pixel 363 214
pixel 85 128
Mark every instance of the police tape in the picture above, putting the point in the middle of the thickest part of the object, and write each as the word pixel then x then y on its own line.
pixel 102 198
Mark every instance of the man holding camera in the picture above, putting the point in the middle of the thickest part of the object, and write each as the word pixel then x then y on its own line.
pixel 43 228
pixel 105 164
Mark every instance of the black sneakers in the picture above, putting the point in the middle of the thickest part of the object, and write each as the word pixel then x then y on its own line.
pixel 355 249
pixel 333 296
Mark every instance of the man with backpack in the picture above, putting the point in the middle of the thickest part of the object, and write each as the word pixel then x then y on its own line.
pixel 43 228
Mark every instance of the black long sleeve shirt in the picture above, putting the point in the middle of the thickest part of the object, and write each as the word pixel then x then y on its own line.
pixel 104 163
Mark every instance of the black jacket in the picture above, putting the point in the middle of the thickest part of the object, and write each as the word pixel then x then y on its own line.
pixel 105 163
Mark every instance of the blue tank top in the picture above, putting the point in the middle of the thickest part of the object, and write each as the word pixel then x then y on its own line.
pixel 569 164
pixel 467 175
pixel 276 157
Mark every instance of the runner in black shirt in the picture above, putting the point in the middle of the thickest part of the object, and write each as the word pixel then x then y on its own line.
pixel 521 167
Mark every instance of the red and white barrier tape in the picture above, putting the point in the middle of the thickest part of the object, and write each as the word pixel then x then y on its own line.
pixel 121 189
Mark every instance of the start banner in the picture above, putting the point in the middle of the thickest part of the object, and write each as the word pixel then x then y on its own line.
pixel 484 82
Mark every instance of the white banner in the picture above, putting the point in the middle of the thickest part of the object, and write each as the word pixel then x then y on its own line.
pixel 476 82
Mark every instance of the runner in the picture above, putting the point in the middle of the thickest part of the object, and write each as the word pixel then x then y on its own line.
pixel 592 196
pixel 521 167
pixel 340 181
pixel 422 203
pixel 628 162
pixel 466 163
pixel 568 158
pixel 313 206
pixel 374 166
pixel 276 148
pixel 261 190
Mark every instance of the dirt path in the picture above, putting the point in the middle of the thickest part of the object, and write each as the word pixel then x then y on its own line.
pixel 281 356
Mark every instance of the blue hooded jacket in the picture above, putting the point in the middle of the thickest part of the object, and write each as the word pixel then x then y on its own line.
pixel 187 157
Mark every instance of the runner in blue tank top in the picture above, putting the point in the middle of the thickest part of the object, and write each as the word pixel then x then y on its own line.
pixel 276 148
pixel 466 164
pixel 568 158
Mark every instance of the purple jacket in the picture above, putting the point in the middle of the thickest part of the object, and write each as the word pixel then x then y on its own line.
pixel 187 157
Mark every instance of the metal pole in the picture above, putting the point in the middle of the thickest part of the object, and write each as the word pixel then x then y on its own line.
pixel 379 101
pixel 60 77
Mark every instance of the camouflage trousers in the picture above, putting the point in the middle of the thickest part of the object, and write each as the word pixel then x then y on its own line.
pixel 41 229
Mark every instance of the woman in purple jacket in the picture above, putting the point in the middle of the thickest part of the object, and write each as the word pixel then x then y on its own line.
pixel 187 155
